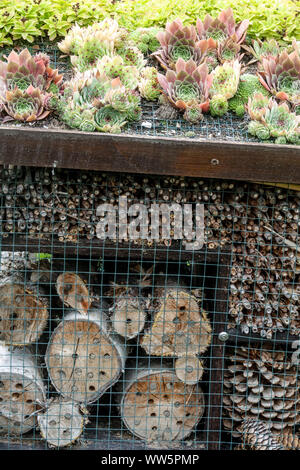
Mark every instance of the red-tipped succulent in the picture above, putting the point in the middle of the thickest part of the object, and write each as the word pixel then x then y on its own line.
pixel 26 106
pixel 27 84
pixel 280 75
pixel 222 27
pixel 22 70
pixel 178 41
pixel 187 88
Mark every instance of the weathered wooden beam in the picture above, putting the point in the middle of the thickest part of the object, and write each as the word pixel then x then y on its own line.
pixel 150 155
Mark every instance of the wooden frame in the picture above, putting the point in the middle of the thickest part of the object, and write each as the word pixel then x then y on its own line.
pixel 149 155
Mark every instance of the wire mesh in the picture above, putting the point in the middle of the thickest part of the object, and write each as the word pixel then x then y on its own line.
pixel 92 388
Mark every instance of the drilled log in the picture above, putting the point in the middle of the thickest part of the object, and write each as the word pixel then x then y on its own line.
pixel 73 292
pixel 155 405
pixel 189 369
pixel 180 326
pixel 22 392
pixel 128 313
pixel 62 423
pixel 84 357
pixel 23 312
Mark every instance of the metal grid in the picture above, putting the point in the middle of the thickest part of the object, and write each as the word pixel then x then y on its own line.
pixel 229 128
pixel 247 275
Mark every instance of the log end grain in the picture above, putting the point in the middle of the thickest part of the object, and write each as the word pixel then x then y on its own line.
pixel 73 291
pixel 159 407
pixel 82 360
pixel 23 314
pixel 189 369
pixel 179 328
pixel 61 424
pixel 128 317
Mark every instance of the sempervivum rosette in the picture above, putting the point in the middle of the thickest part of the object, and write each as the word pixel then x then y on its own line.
pixel 225 83
pixel 179 41
pixel 270 119
pixel 22 70
pixel 262 49
pixel 187 87
pixel 280 75
pixel 222 27
pixel 27 106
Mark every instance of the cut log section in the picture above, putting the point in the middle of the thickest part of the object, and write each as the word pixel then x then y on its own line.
pixel 189 369
pixel 73 292
pixel 180 327
pixel 156 406
pixel 62 423
pixel 83 357
pixel 23 312
pixel 128 313
pixel 22 392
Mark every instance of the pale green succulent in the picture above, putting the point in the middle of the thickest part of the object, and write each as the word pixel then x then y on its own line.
pixel 226 80
pixel 281 121
pixel 218 105
pixel 149 87
pixel 145 39
pixel 114 67
pixel 108 119
pixel 88 54
pixel 249 85
pixel 276 121
pixel 257 106
pixel 131 55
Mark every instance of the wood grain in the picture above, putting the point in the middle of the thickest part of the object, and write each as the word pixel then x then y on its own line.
pixel 150 155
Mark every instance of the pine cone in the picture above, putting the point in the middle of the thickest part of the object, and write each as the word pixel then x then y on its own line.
pixel 258 436
pixel 288 439
pixel 261 384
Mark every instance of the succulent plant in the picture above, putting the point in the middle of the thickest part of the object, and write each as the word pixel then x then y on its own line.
pixel 188 86
pixel 224 86
pixel 122 100
pixel 222 27
pixel 106 33
pixel 193 114
pixel 280 75
pixel 110 120
pixel 229 50
pixel 26 106
pixel 275 120
pixel 262 49
pixel 178 41
pixel 22 70
pixel 249 85
pixel 226 79
pixel 281 121
pixel 88 54
pixel 257 129
pixel 257 106
pixel 145 39
pixel 114 67
pixel 218 105
pixel 131 55
pixel 149 87
pixel 280 140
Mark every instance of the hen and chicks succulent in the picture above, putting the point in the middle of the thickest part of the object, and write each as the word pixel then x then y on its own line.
pixel 202 65
pixel 28 87
pixel 273 120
